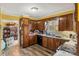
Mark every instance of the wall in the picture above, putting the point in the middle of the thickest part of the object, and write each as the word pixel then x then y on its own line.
pixel 78 11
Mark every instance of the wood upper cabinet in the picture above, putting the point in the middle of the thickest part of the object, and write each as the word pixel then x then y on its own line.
pixel 33 25
pixel 40 25
pixel 66 22
pixel 62 23
pixel 69 22
pixel 37 25
pixel 25 21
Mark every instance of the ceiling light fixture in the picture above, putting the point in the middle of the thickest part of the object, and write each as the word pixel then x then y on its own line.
pixel 34 9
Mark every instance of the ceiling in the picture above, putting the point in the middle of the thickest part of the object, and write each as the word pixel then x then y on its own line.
pixel 44 9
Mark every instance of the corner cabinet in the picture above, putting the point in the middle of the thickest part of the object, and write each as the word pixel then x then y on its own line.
pixel 37 25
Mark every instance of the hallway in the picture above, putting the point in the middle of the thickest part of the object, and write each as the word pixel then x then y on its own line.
pixel 34 50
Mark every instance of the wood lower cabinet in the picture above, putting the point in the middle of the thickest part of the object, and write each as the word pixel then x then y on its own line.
pixel 33 40
pixel 44 41
pixel 51 43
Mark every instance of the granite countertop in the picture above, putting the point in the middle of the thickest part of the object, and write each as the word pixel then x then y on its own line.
pixel 58 37
pixel 63 53
pixel 69 46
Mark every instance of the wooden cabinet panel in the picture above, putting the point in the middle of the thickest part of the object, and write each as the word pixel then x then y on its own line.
pixel 41 25
pixel 77 27
pixel 66 22
pixel 25 36
pixel 57 43
pixel 37 25
pixel 25 21
pixel 24 32
pixel 69 22
pixel 33 40
pixel 25 41
pixel 62 23
pixel 44 41
pixel 33 25
pixel 51 43
pixel 77 52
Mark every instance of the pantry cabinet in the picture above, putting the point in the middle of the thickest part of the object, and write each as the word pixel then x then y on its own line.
pixel 25 29
pixel 24 32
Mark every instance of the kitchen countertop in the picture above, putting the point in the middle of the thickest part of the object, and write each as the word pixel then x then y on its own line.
pixel 58 37
pixel 69 46
pixel 63 53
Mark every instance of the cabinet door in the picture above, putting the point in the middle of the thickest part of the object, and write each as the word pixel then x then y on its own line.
pixel 44 41
pixel 31 40
pixel 62 23
pixel 66 23
pixel 25 21
pixel 69 25
pixel 25 36
pixel 40 25
pixel 35 39
pixel 54 43
pixel 50 43
pixel 57 43
pixel 33 25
